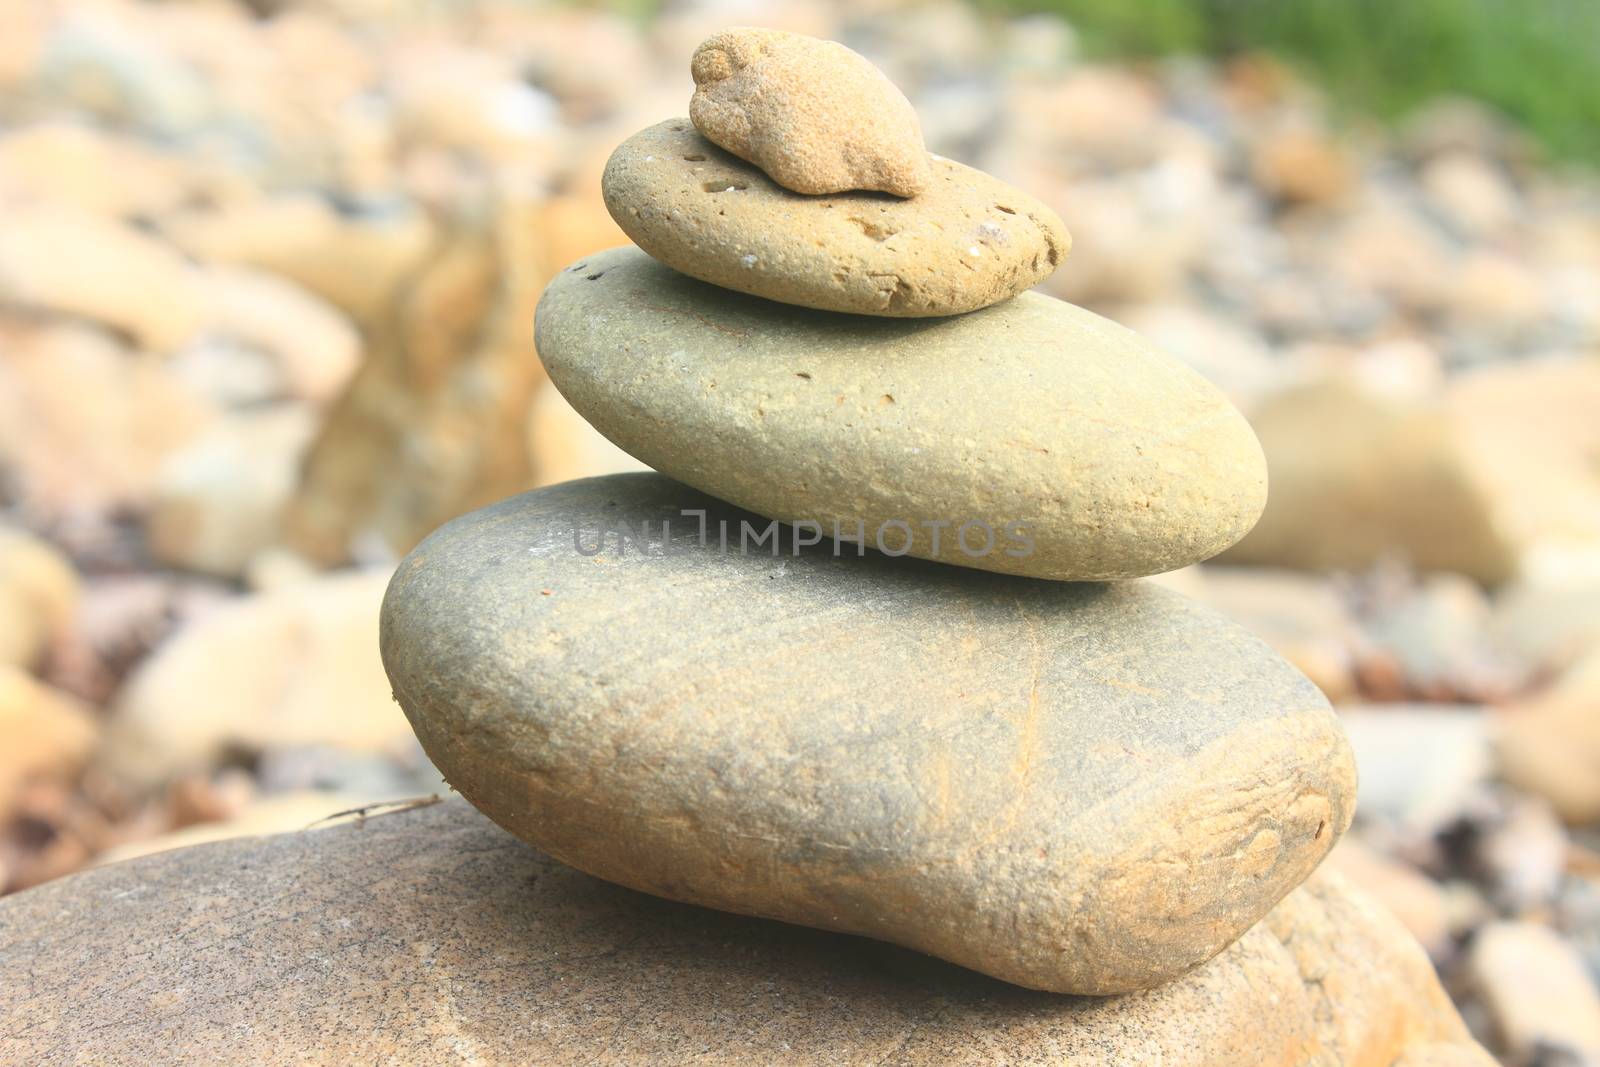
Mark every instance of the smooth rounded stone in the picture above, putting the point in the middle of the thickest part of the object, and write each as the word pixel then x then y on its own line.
pixel 967 241
pixel 1420 764
pixel 1304 617
pixel 284 668
pixel 1422 905
pixel 1550 745
pixel 1074 787
pixel 1539 993
pixel 39 594
pixel 1495 479
pixel 430 936
pixel 1113 460
pixel 45 735
pixel 1358 477
pixel 1546 626
pixel 817 117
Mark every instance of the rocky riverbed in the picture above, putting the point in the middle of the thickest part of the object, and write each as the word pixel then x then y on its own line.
pixel 267 279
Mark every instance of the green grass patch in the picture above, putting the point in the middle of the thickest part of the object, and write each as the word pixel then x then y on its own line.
pixel 1538 61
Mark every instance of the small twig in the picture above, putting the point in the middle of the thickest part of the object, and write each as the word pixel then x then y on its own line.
pixel 386 807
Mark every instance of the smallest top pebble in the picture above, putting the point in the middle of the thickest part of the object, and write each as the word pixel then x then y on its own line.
pixel 815 116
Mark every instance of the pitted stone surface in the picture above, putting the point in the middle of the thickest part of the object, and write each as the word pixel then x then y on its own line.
pixel 967 241
pixel 817 117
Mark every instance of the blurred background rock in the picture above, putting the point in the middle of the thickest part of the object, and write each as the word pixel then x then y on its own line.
pixel 267 278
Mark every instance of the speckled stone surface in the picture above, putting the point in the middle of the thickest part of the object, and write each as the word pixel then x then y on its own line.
pixel 817 117
pixel 1117 459
pixel 432 937
pixel 967 241
pixel 1076 787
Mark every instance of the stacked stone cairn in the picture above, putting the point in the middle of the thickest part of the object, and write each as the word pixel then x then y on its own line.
pixel 868 654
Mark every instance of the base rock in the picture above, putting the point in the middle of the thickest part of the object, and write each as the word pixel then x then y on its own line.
pixel 430 936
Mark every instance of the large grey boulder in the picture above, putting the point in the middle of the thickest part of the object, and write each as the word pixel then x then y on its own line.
pixel 1085 788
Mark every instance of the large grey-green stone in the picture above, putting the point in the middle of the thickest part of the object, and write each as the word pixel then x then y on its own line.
pixel 1075 787
pixel 1115 459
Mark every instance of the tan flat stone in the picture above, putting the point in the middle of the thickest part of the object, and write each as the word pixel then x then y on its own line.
pixel 967 241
